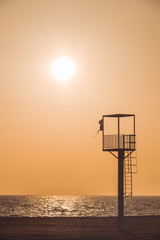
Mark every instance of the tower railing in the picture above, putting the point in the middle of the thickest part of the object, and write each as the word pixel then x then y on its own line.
pixel 114 142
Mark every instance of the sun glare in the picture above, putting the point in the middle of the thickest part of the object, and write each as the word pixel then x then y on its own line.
pixel 63 69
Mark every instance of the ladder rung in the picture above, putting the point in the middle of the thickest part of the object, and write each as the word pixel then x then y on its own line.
pixel 128 195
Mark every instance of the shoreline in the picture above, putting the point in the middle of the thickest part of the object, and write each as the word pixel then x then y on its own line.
pixel 22 228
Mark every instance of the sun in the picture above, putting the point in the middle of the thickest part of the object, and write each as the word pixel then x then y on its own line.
pixel 63 69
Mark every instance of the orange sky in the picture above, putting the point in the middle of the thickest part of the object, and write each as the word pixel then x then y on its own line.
pixel 47 127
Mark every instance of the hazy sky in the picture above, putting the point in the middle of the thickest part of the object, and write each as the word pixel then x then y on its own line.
pixel 48 127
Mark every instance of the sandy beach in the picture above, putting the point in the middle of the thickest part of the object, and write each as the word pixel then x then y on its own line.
pixel 79 228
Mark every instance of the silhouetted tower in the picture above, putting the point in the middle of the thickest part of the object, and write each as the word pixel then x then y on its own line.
pixel 123 147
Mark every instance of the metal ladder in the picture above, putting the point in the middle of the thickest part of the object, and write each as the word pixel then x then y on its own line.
pixel 130 167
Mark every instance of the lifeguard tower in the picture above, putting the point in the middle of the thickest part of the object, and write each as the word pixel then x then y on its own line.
pixel 121 145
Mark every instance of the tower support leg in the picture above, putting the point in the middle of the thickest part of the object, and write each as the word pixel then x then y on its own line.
pixel 120 190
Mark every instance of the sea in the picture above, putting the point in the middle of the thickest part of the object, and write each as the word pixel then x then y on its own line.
pixel 76 206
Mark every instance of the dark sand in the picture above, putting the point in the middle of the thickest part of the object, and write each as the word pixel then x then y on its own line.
pixel 138 228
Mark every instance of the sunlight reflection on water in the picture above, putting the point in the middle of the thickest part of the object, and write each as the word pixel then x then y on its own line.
pixel 75 206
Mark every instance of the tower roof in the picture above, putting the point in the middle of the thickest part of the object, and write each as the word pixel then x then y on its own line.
pixel 119 115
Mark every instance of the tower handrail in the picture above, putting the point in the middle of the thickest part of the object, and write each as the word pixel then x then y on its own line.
pixel 126 141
